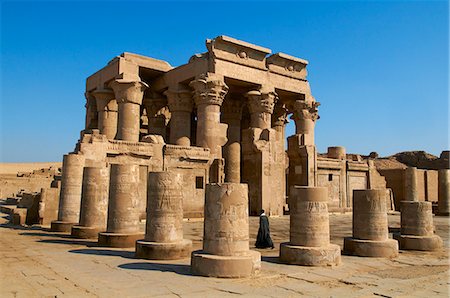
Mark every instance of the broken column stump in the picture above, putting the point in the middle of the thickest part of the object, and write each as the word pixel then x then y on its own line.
pixel 309 229
pixel 164 230
pixel 226 250
pixel 370 226
pixel 123 208
pixel 417 229
pixel 94 202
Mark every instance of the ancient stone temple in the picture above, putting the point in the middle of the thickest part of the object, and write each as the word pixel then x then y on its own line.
pixel 219 118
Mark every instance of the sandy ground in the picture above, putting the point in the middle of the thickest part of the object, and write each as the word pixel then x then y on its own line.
pixel 38 263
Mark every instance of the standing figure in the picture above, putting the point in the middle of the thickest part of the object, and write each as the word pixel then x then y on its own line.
pixel 263 239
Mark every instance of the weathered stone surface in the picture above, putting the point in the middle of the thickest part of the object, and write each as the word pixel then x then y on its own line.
pixel 70 196
pixel 417 228
pixel 444 192
pixel 123 207
pixel 94 202
pixel 309 229
pixel 370 226
pixel 225 239
pixel 164 231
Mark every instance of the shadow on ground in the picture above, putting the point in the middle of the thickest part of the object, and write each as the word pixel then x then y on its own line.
pixel 176 268
pixel 105 252
pixel 69 242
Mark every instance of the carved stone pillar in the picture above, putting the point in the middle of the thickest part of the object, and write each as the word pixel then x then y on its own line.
pixel 129 95
pixel 258 148
pixel 301 148
pixel 107 112
pixel 70 196
pixel 91 111
pixel 157 113
pixel 180 105
pixel 279 120
pixel 305 116
pixel 370 226
pixel 209 93
pixel 411 191
pixel 231 115
pixel 261 107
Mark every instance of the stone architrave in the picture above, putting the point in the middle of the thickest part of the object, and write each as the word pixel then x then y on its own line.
pixel 309 229
pixel 417 229
pixel 209 93
pixel 231 115
pixel 129 95
pixel 123 207
pixel 70 195
pixel 411 193
pixel 164 231
pixel 370 226
pixel 226 250
pixel 444 192
pixel 94 202
pixel 107 112
pixel 180 105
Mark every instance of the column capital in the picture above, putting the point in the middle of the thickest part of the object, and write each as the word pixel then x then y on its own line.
pixel 305 110
pixel 89 98
pixel 280 115
pixel 261 102
pixel 128 91
pixel 103 98
pixel 209 89
pixel 179 100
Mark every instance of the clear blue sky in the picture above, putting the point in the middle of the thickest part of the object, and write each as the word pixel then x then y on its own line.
pixel 380 69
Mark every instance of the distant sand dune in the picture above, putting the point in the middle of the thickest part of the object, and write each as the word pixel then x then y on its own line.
pixel 13 168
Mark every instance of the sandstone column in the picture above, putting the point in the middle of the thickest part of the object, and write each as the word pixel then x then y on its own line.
pixel 417 229
pixel 231 115
pixel 258 147
pixel 225 239
pixel 370 226
pixel 164 231
pixel 180 105
pixel 278 183
pixel 70 195
pixel 107 112
pixel 309 229
pixel 411 193
pixel 123 207
pixel 444 192
pixel 157 114
pixel 94 202
pixel 301 148
pixel 129 96
pixel 209 93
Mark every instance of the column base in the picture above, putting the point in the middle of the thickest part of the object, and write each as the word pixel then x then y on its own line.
pixel 62 226
pixel 410 242
pixel 205 264
pixel 371 248
pixel 118 240
pixel 163 251
pixel 82 232
pixel 310 256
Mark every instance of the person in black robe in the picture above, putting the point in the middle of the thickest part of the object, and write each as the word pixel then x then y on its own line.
pixel 263 239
